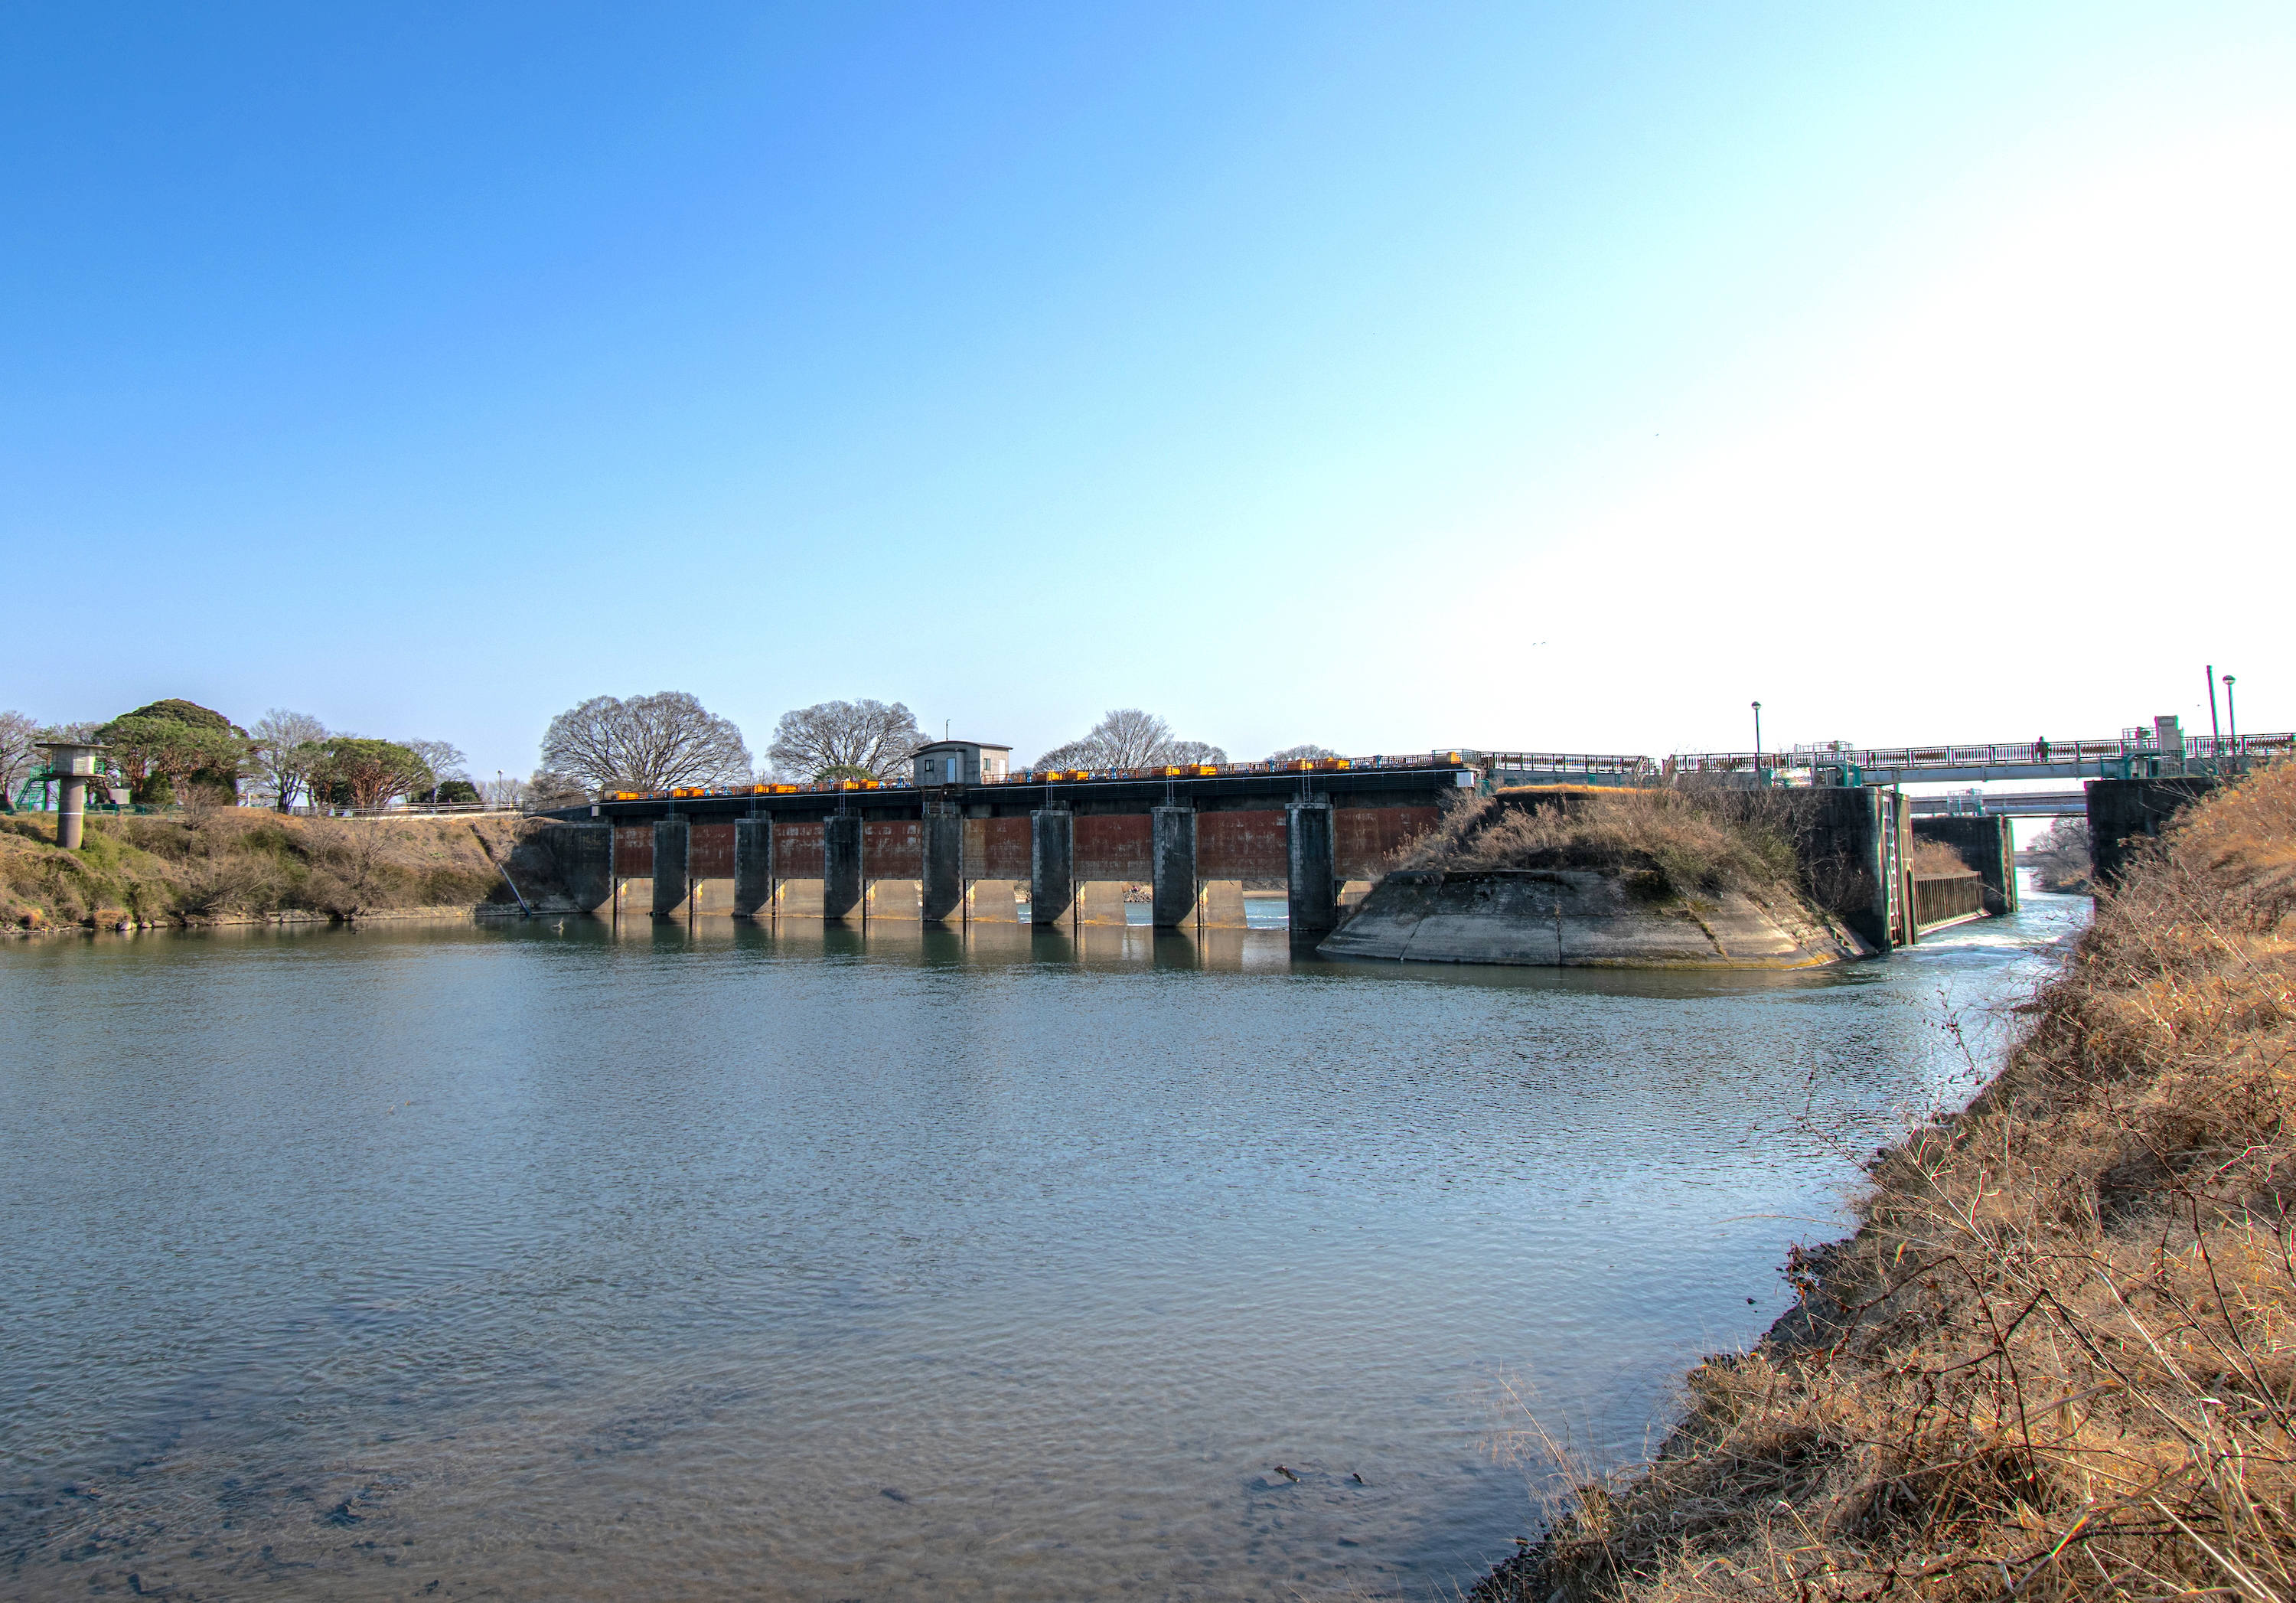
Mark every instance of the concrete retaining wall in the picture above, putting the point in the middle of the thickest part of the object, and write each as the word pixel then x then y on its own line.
pixel 2125 813
pixel 1984 844
pixel 1581 917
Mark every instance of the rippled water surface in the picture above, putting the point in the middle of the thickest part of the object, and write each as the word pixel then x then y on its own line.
pixel 555 1260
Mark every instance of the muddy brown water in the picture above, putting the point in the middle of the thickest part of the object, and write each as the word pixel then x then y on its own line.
pixel 551 1259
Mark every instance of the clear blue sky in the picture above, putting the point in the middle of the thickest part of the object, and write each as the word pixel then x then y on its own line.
pixel 1379 375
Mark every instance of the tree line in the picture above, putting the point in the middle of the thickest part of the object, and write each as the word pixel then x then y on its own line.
pixel 669 740
pixel 175 752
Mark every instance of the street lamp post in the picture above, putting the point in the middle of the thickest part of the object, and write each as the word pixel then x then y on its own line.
pixel 2231 718
pixel 1758 778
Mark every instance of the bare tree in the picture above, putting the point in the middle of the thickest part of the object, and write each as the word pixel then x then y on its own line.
pixel 548 788
pixel 443 757
pixel 287 748
pixel 865 736
pixel 1129 738
pixel 648 742
pixel 17 733
pixel 2061 855
pixel 1302 753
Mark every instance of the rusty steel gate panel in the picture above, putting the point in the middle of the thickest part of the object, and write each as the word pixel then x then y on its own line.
pixel 996 848
pixel 1364 837
pixel 710 851
pixel 632 850
pixel 1240 845
pixel 796 850
pixel 1113 846
pixel 894 850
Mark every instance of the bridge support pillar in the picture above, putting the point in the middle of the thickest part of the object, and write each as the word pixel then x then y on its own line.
pixel 1172 863
pixel 670 884
pixel 840 866
pixel 1052 864
pixel 1314 900
pixel 944 867
pixel 753 867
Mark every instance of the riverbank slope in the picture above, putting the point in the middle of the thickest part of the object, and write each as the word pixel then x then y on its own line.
pixel 2058 1358
pixel 232 864
pixel 1574 877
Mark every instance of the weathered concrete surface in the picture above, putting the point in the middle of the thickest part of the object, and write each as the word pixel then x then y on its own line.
pixel 669 880
pixel 1984 844
pixel 1220 905
pixel 797 899
pixel 1052 864
pixel 1314 891
pixel 840 866
pixel 992 901
pixel 1581 917
pixel 1172 886
pixel 565 867
pixel 753 867
pixel 1102 902
pixel 894 899
pixel 2125 813
pixel 944 867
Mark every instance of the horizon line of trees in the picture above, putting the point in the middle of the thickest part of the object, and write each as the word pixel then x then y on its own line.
pixel 173 752
pixel 669 740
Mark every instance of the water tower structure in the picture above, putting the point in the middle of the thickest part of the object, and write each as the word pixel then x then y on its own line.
pixel 72 765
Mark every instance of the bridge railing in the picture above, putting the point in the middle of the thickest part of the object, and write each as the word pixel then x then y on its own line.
pixel 1612 763
pixel 2033 753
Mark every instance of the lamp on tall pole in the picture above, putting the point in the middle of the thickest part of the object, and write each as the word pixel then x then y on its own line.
pixel 2231 718
pixel 1757 744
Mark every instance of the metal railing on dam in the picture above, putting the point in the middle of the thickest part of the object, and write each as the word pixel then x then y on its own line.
pixel 2128 756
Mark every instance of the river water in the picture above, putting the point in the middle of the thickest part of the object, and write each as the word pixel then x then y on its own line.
pixel 550 1259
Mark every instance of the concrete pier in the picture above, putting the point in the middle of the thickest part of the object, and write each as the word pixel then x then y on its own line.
pixel 670 884
pixel 2123 814
pixel 71 811
pixel 1173 853
pixel 1052 864
pixel 1315 904
pixel 753 867
pixel 944 867
pixel 840 866
pixel 1983 841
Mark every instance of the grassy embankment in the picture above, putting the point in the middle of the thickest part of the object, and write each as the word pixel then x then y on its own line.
pixel 1665 842
pixel 238 863
pixel 2058 1358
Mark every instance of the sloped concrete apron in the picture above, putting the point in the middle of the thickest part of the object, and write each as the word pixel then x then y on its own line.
pixel 1581 917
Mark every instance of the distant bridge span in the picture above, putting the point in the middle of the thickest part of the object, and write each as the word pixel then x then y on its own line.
pixel 2135 755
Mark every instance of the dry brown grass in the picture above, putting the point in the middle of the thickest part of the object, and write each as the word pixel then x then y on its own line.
pixel 2058 1358
pixel 1933 857
pixel 222 863
pixel 1694 841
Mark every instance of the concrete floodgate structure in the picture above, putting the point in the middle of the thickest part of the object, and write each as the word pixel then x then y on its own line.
pixel 966 852
pixel 963 852
pixel 1583 918
pixel 1861 898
